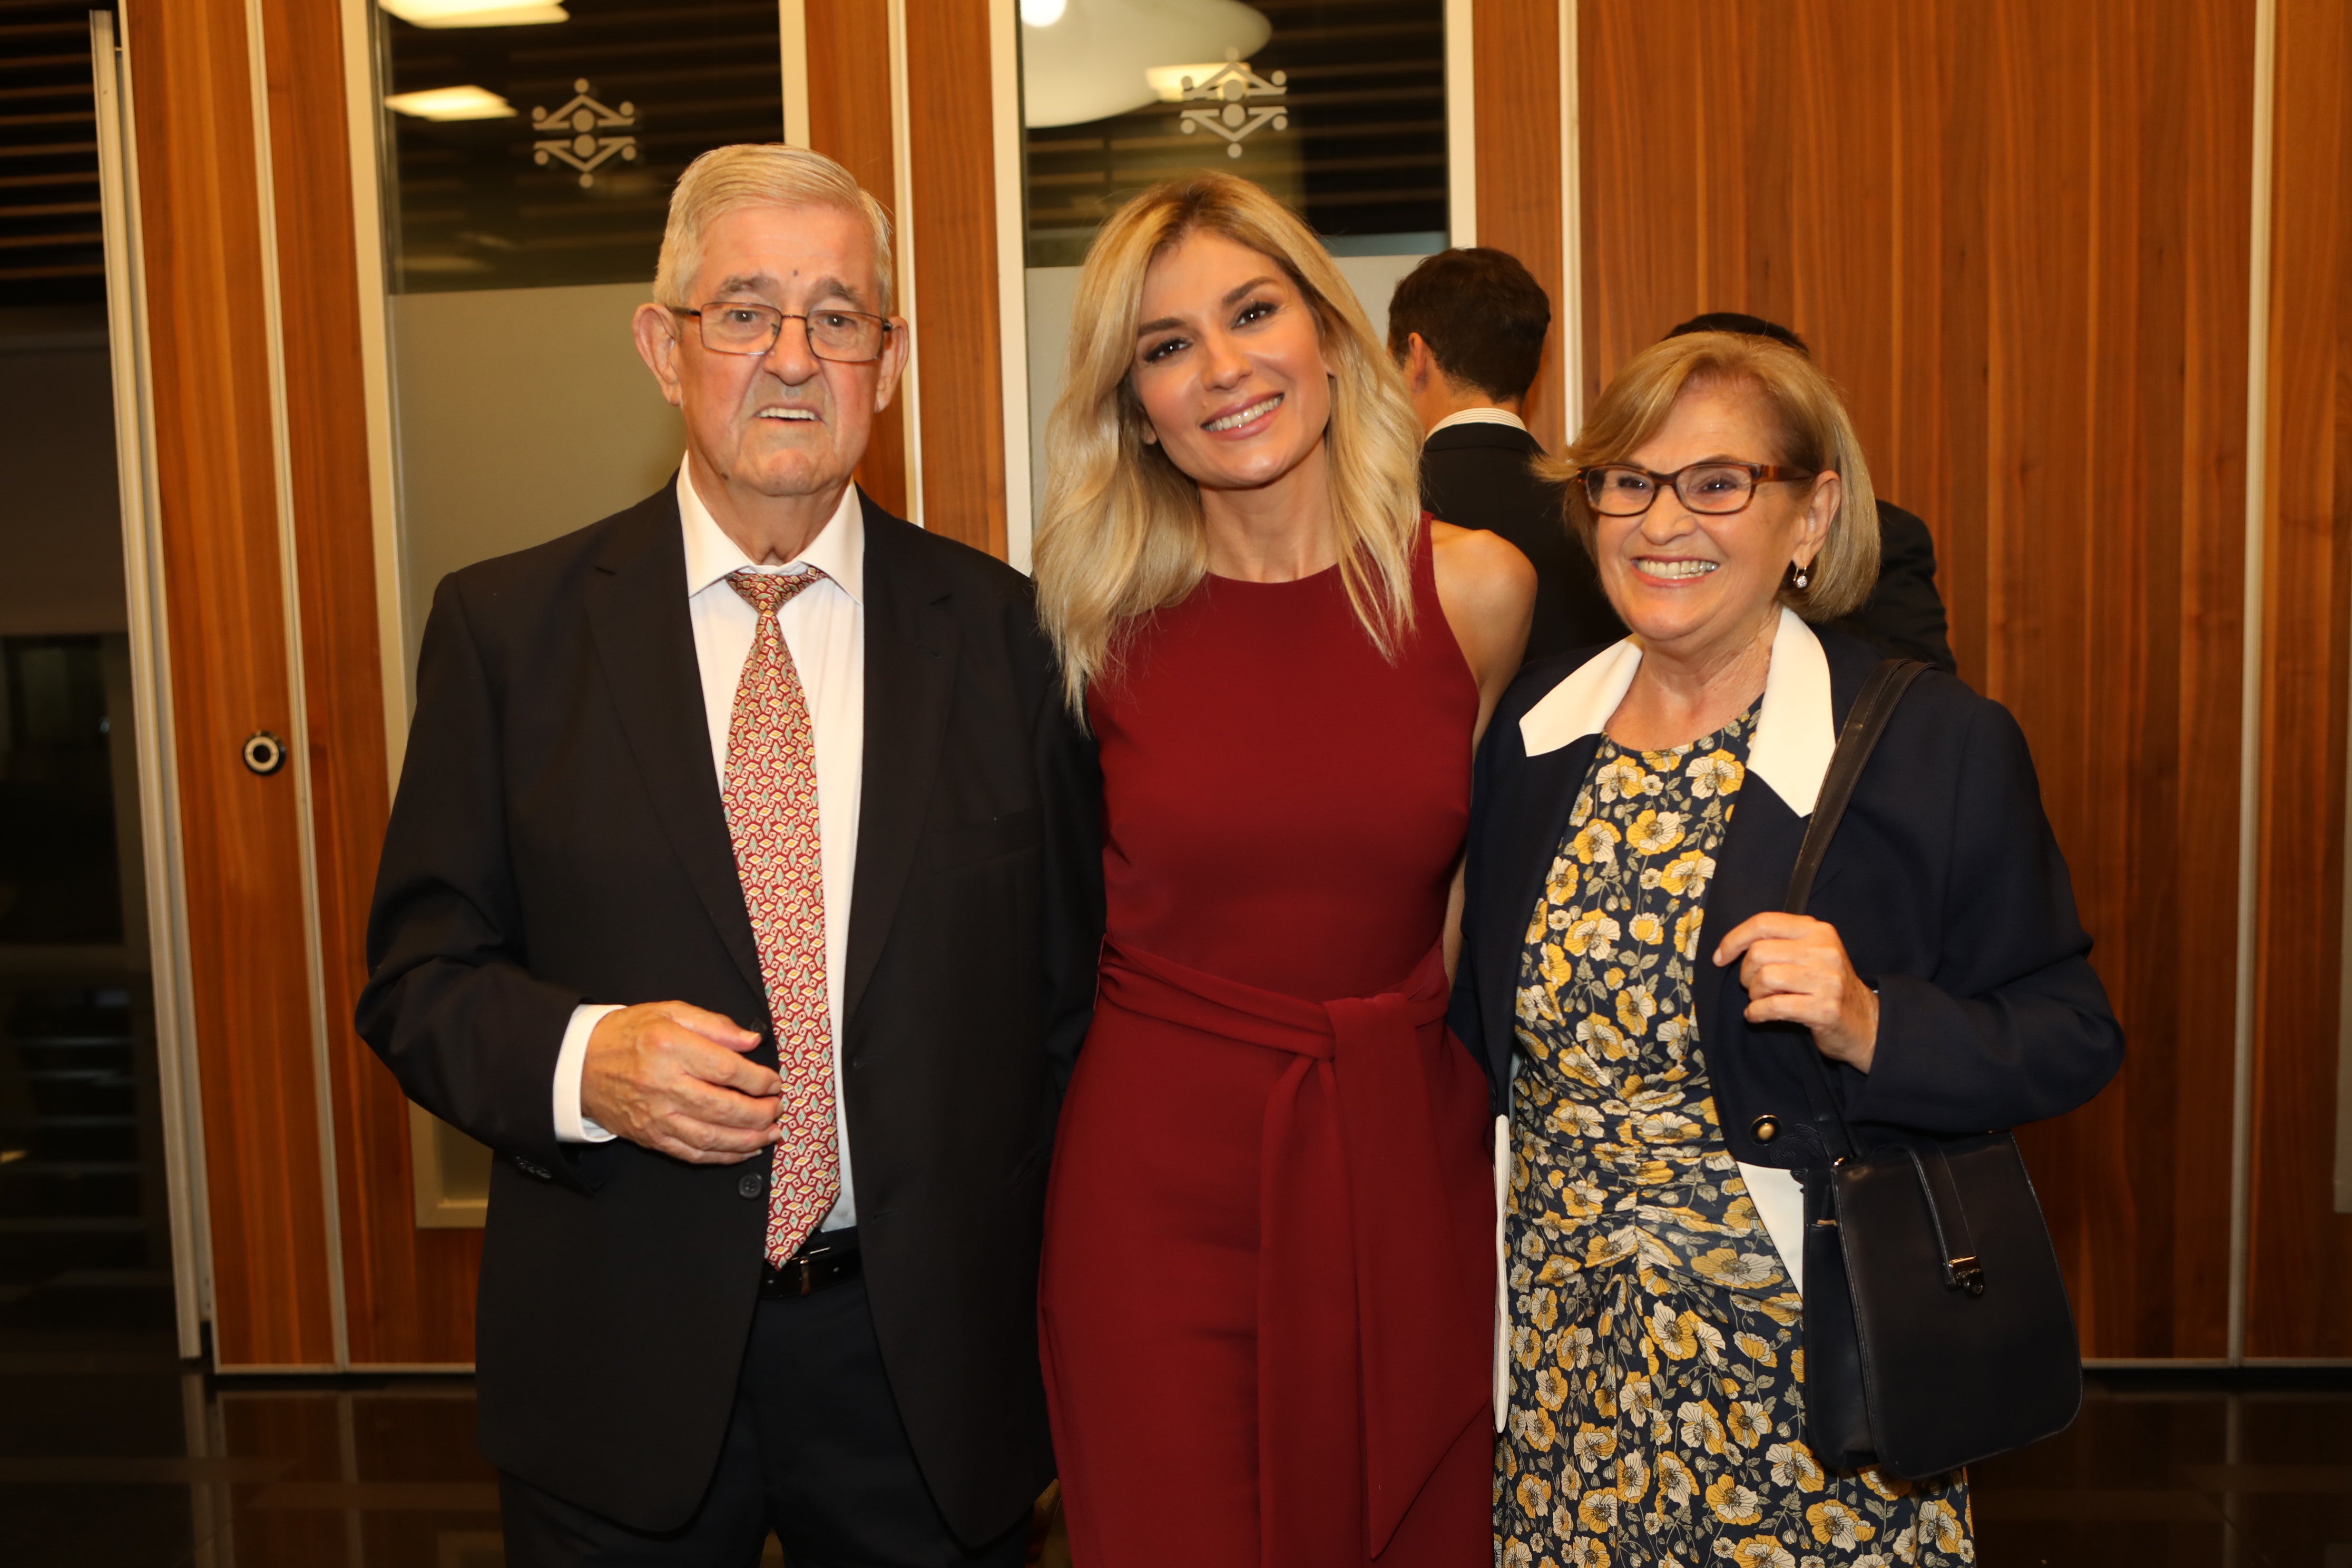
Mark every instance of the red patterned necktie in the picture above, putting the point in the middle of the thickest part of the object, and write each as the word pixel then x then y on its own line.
pixel 770 793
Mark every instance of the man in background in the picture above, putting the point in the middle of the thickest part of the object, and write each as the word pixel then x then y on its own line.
pixel 1467 328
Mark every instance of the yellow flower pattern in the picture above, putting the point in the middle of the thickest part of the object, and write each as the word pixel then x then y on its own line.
pixel 1657 1379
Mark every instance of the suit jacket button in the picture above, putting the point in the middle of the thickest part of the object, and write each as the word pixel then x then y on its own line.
pixel 1764 1129
pixel 750 1184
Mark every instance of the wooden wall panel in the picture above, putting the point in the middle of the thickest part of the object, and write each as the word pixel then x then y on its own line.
pixel 2017 236
pixel 951 164
pixel 2300 1260
pixel 216 491
pixel 1514 65
pixel 849 122
pixel 409 1294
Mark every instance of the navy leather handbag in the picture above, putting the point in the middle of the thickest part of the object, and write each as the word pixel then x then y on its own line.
pixel 1938 1330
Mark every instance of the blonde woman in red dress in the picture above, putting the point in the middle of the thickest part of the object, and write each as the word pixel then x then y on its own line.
pixel 1268 1294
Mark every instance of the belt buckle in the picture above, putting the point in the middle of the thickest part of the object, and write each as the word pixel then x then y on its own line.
pixel 805 1273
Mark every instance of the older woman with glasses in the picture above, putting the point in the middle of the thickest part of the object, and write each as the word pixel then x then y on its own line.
pixel 1644 1011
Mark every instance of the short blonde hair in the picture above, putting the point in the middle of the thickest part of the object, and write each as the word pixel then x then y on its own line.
pixel 760 174
pixel 1814 432
pixel 1121 534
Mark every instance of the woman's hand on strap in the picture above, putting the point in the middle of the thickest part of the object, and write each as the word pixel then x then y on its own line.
pixel 1796 972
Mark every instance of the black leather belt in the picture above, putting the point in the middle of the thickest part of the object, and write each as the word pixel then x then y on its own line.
pixel 828 1257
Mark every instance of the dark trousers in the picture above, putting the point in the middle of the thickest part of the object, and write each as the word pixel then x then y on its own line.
pixel 814 1454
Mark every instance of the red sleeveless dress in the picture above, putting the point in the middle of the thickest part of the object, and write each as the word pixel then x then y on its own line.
pixel 1267 1300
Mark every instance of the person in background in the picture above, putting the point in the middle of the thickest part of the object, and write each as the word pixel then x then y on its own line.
pixel 742 832
pixel 1904 616
pixel 1466 327
pixel 1267 1304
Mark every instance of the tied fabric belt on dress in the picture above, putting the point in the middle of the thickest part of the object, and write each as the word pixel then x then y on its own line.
pixel 1358 1235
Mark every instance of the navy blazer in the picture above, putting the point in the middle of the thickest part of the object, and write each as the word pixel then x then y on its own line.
pixel 1944 882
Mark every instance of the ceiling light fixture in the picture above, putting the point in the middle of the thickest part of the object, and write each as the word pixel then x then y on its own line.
pixel 474 12
pixel 1170 81
pixel 451 103
pixel 1100 59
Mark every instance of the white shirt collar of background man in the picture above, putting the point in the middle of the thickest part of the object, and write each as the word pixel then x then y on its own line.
pixel 1479 417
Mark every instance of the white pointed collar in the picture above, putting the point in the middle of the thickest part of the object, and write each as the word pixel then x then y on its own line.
pixel 839 550
pixel 1795 734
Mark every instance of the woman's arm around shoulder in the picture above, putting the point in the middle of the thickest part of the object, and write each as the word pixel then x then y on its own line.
pixel 1487 590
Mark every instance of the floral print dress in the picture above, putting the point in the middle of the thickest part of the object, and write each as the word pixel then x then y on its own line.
pixel 1657 1400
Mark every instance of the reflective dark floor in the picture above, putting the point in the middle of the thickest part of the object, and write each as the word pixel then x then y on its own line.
pixel 113 1453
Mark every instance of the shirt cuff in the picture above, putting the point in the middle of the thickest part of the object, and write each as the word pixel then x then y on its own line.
pixel 571 1125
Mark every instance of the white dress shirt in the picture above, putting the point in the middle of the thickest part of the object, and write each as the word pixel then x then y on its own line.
pixel 1479 417
pixel 824 631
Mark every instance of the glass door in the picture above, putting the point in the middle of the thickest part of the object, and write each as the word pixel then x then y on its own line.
pixel 86 1197
pixel 526 158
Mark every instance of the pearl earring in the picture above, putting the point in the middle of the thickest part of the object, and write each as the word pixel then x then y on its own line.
pixel 1802 577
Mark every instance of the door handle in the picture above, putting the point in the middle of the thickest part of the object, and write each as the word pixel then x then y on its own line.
pixel 264 752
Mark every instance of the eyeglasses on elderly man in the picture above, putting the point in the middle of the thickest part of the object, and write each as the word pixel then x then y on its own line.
pixel 739 327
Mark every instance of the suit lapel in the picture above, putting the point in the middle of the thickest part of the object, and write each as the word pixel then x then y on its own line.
pixel 645 645
pixel 1750 876
pixel 910 651
pixel 1852 664
pixel 1751 873
pixel 1544 798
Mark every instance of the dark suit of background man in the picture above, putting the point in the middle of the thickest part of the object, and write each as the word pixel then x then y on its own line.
pixel 749 776
pixel 1467 329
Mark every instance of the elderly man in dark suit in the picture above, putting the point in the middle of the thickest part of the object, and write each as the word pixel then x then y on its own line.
pixel 1467 329
pixel 743 835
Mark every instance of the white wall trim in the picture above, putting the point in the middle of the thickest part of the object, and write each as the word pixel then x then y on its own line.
pixel 1461 127
pixel 1011 276
pixel 791 33
pixel 1569 306
pixel 902 180
pixel 150 687
pixel 298 718
pixel 2251 668
pixel 2344 1033
pixel 363 133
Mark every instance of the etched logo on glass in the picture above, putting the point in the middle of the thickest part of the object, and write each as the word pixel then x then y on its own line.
pixel 1235 87
pixel 569 134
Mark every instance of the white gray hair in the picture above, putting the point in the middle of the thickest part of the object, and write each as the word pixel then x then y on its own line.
pixel 760 174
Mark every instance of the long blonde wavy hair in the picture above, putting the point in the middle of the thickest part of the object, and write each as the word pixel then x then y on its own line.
pixel 1121 533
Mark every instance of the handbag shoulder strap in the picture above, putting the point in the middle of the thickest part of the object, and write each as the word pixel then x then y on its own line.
pixel 1872 709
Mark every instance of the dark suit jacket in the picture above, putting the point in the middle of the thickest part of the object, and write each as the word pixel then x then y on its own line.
pixel 1944 882
pixel 1477 476
pixel 558 838
pixel 1904 616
